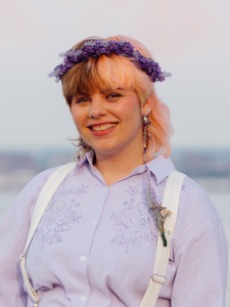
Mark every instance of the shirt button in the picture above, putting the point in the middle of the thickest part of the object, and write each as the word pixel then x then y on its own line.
pixel 82 258
pixel 83 298
pixel 94 223
pixel 141 170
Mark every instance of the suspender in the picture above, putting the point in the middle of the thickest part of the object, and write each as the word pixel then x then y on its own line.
pixel 43 199
pixel 170 200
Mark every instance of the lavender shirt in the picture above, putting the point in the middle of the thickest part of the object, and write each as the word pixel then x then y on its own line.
pixel 95 245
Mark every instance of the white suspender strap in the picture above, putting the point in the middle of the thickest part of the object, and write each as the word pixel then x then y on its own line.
pixel 171 202
pixel 43 199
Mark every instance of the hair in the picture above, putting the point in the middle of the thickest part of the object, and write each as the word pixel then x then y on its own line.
pixel 114 71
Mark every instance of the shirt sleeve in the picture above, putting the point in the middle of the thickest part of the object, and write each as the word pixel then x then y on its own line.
pixel 14 229
pixel 200 253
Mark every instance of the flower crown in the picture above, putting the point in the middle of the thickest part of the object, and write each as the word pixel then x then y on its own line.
pixel 95 48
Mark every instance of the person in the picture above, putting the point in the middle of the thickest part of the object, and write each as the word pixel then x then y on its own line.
pixel 96 242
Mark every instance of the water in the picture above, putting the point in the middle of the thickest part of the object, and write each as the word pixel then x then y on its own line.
pixel 222 203
pixel 220 200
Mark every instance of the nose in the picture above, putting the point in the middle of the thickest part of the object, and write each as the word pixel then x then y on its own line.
pixel 97 107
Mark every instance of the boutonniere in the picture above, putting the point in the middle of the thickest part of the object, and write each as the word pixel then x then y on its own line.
pixel 160 215
pixel 158 212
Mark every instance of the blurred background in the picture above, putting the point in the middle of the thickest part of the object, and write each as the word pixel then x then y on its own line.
pixel 188 38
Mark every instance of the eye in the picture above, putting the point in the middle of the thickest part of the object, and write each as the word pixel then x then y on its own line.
pixel 80 99
pixel 113 95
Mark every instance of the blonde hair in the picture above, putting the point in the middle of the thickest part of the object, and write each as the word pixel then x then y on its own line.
pixel 115 71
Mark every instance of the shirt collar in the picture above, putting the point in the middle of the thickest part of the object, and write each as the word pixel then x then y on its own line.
pixel 160 167
pixel 88 157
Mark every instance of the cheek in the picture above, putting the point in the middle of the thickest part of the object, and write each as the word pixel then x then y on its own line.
pixel 78 118
pixel 130 109
pixel 133 114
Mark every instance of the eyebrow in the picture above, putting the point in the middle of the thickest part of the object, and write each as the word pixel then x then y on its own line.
pixel 81 94
pixel 112 89
pixel 100 91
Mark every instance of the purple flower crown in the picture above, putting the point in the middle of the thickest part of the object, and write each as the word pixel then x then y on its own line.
pixel 95 48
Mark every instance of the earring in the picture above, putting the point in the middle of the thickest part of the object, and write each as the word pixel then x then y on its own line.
pixel 146 123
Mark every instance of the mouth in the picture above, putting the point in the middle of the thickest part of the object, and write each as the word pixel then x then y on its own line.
pixel 102 127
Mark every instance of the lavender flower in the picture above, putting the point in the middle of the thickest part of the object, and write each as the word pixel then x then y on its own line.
pixel 158 212
pixel 93 49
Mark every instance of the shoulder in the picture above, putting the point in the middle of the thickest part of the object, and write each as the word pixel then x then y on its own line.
pixel 195 203
pixel 15 224
pixel 199 231
pixel 27 197
pixel 197 215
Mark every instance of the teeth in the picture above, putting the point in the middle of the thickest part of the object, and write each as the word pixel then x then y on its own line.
pixel 103 127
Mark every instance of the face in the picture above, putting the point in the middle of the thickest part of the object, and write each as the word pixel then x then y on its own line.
pixel 110 121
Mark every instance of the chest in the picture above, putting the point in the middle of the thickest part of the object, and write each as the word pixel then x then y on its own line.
pixel 94 233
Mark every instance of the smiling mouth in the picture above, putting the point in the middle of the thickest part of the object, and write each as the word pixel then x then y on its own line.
pixel 102 127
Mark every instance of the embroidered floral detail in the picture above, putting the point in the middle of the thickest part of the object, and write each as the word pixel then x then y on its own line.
pixel 132 190
pixel 53 226
pixel 60 215
pixel 132 224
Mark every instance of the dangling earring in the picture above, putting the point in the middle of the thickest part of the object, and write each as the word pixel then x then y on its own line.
pixel 146 123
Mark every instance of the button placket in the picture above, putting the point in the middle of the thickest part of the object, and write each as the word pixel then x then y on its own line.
pixel 83 298
pixel 82 258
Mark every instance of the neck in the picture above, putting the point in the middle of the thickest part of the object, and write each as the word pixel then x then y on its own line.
pixel 114 168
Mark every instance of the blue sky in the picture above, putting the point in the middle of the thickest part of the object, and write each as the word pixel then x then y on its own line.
pixel 188 38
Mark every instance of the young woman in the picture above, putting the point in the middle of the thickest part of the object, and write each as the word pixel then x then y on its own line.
pixel 96 242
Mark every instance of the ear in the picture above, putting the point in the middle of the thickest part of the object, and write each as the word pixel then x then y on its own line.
pixel 146 108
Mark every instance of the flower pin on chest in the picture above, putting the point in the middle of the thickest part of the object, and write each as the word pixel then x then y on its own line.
pixel 157 211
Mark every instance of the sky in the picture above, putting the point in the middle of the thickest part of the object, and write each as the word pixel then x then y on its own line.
pixel 188 38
